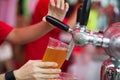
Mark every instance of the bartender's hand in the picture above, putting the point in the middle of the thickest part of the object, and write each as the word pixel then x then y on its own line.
pixel 58 9
pixel 33 70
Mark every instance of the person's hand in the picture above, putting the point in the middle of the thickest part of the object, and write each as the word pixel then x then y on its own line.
pixel 58 9
pixel 36 70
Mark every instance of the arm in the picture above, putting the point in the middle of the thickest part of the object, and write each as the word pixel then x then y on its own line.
pixel 28 34
pixel 56 9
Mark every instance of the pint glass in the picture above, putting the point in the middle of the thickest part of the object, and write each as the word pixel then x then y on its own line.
pixel 56 51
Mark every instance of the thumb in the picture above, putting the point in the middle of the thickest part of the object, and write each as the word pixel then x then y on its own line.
pixel 66 6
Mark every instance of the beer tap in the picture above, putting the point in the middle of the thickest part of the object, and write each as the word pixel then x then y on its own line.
pixel 79 34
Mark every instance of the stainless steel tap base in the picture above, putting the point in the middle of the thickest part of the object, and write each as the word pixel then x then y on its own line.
pixel 110 69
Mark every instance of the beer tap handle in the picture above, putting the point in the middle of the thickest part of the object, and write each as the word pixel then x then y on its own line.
pixel 79 14
pixel 85 12
pixel 58 23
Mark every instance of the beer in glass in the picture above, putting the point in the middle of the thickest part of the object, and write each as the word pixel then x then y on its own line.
pixel 56 51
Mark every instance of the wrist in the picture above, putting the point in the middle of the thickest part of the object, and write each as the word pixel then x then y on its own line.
pixel 44 19
pixel 2 76
pixel 10 76
pixel 17 75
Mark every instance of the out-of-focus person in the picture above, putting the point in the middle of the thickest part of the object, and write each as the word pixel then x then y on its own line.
pixel 33 70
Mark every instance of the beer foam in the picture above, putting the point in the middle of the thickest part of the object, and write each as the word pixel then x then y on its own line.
pixel 58 48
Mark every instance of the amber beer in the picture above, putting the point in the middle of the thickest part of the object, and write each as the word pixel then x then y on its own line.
pixel 56 51
pixel 55 55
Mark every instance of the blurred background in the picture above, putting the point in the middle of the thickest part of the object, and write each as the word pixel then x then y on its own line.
pixel 85 62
